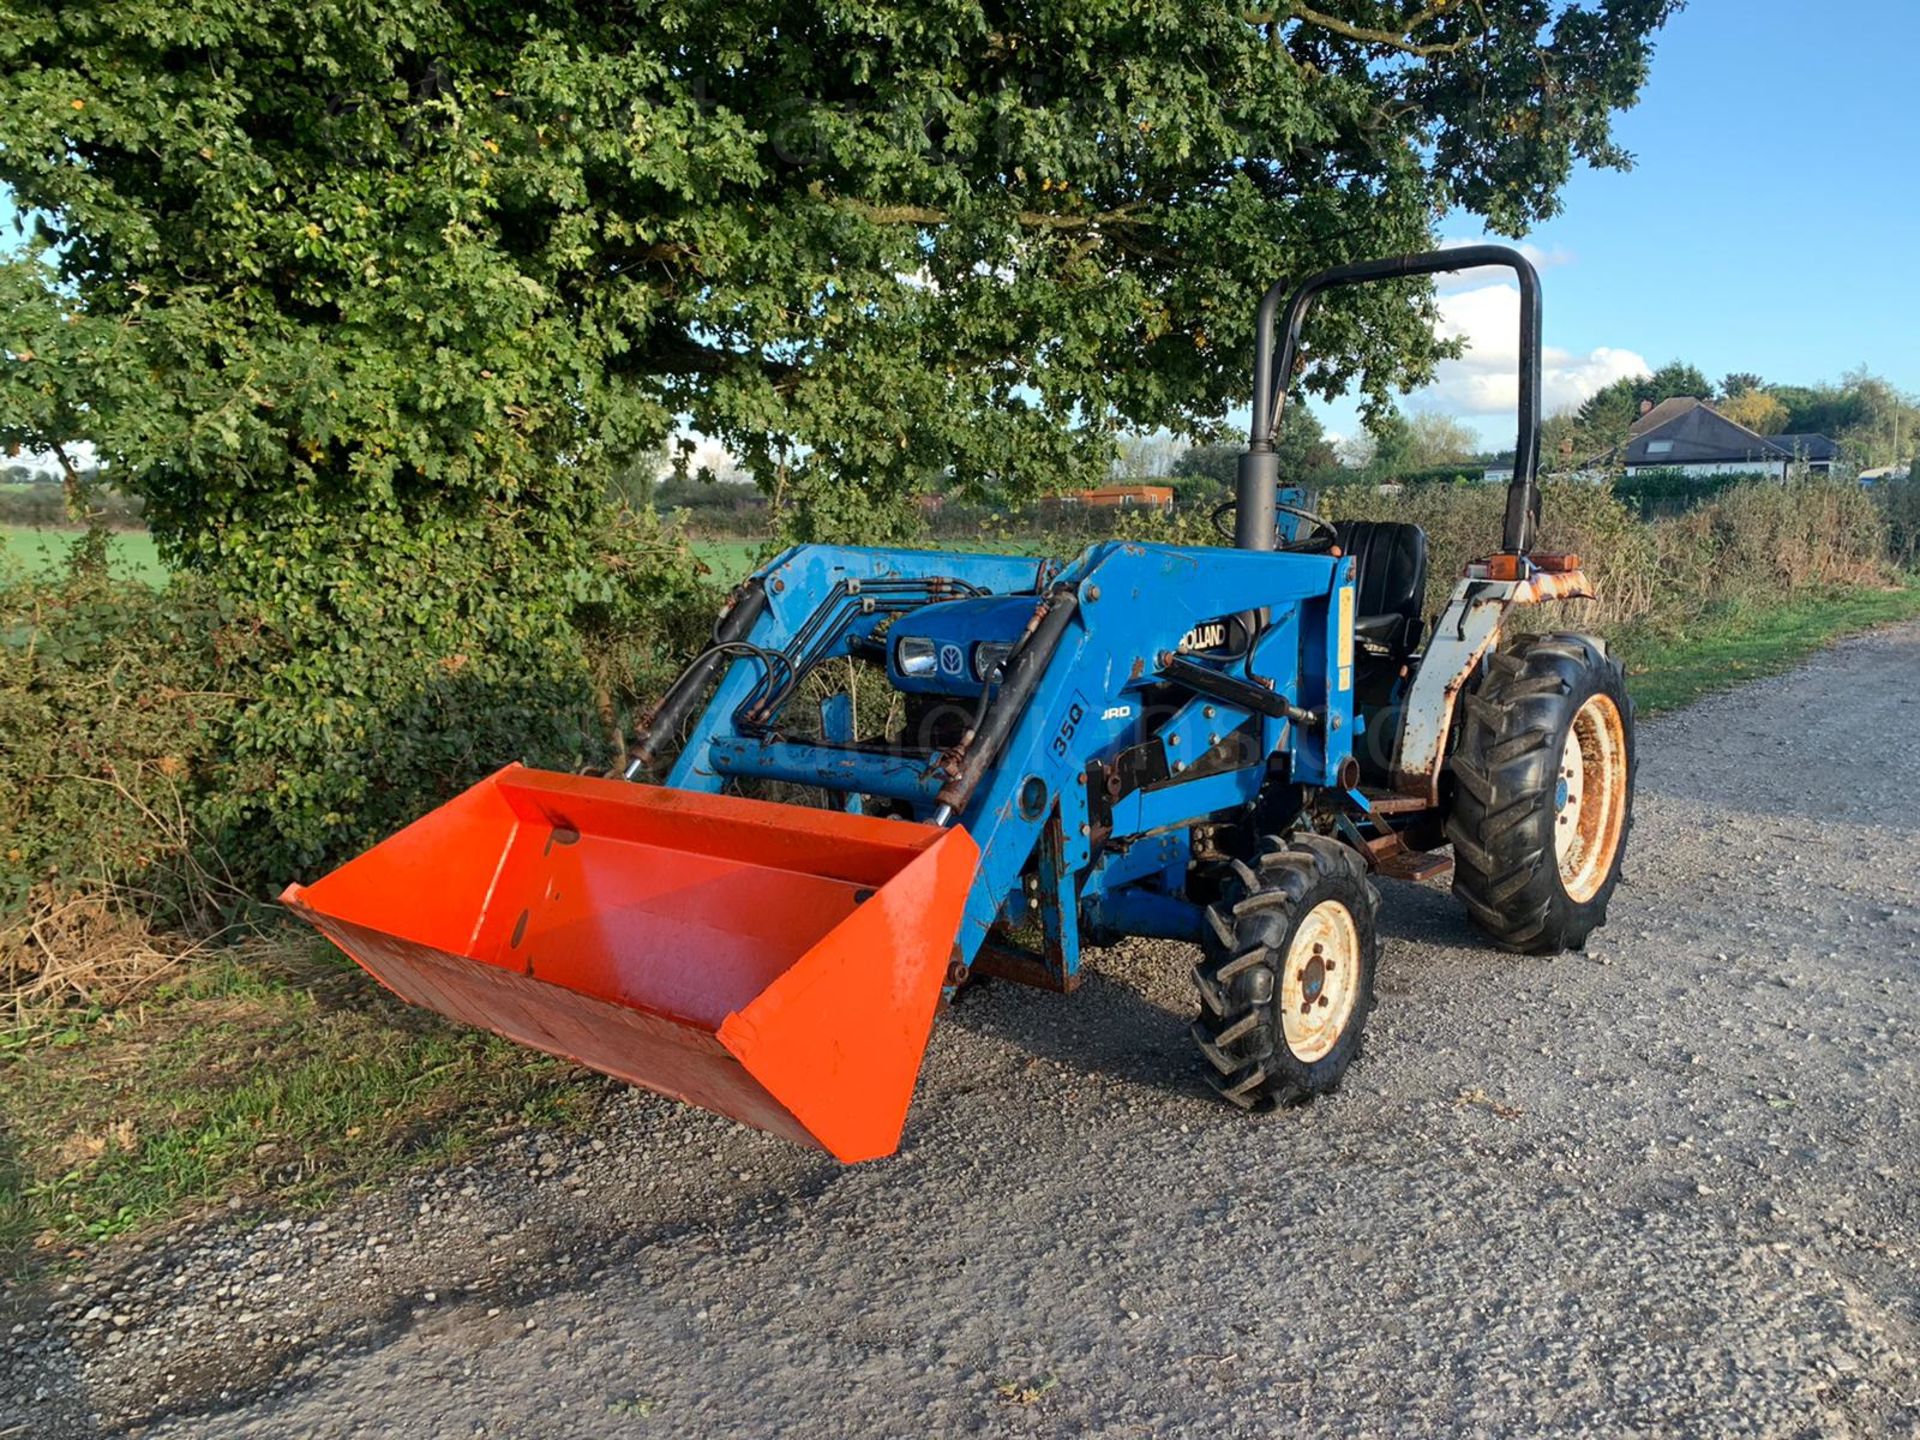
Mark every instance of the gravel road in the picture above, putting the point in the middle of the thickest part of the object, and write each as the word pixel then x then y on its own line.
pixel 1664 1186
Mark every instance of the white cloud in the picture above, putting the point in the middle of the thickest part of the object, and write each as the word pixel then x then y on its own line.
pixel 1485 381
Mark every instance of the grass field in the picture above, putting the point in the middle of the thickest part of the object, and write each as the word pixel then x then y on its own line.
pixel 43 550
pixel 730 560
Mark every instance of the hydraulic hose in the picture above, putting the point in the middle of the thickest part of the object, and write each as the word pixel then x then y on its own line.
pixel 749 604
pixel 1024 667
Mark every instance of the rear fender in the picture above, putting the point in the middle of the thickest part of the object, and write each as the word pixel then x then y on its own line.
pixel 1467 631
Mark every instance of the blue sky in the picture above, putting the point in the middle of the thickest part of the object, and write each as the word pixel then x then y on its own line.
pixel 1771 222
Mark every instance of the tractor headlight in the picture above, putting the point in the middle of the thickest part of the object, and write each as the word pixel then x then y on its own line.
pixel 914 655
pixel 989 659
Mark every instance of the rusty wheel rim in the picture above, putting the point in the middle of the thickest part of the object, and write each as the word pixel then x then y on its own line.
pixel 1590 797
pixel 1320 980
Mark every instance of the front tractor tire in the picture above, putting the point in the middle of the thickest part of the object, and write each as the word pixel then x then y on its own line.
pixel 1286 983
pixel 1543 793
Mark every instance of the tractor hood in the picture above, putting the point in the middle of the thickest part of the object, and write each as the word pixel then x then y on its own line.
pixel 954 647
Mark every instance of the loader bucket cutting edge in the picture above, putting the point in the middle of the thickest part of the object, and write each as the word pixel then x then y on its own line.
pixel 776 964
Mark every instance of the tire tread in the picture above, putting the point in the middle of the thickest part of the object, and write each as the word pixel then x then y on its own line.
pixel 1501 826
pixel 1237 1031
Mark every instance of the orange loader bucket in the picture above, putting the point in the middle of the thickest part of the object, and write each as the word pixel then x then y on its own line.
pixel 777 964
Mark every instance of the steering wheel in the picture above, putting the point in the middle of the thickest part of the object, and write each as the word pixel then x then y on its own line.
pixel 1320 537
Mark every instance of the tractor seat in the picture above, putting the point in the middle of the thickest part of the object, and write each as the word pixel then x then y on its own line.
pixel 1390 582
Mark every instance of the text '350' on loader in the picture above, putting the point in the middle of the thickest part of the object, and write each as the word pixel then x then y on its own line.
pixel 1209 744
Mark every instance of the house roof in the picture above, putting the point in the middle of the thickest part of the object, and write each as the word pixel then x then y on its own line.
pixel 1700 435
pixel 1660 414
pixel 1812 448
pixel 1686 431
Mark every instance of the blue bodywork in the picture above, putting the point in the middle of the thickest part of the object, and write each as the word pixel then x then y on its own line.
pixel 1084 820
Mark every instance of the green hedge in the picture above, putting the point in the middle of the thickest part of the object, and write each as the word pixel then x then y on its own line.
pixel 1654 493
pixel 182 743
pixel 207 751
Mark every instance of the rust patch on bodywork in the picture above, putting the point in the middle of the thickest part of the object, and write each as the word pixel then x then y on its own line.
pixel 1543 586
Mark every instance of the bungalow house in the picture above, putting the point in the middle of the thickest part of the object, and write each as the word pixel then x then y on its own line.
pixel 1690 436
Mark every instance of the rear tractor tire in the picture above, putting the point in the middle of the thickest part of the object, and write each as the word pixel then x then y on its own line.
pixel 1286 984
pixel 1543 793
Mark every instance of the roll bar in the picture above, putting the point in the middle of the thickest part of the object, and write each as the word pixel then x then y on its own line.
pixel 1260 466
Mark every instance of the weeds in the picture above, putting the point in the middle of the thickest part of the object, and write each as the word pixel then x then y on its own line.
pixel 1751 541
pixel 89 948
pixel 1024 1392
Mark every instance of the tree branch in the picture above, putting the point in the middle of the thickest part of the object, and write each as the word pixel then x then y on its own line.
pixel 74 487
pixel 676 353
pixel 1402 41
pixel 1032 219
pixel 669 253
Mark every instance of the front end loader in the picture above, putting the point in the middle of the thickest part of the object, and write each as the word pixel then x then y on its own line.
pixel 894 770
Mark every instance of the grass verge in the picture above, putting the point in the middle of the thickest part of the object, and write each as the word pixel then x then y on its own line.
pixel 1735 644
pixel 271 1071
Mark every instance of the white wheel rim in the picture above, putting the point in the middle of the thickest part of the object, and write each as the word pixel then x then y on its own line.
pixel 1590 797
pixel 1319 980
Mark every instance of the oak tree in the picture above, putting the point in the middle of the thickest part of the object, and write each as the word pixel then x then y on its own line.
pixel 371 301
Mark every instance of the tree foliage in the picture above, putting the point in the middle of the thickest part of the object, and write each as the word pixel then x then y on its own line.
pixel 1875 423
pixel 1307 459
pixel 1608 415
pixel 1759 410
pixel 1441 440
pixel 371 304
pixel 1391 447
pixel 1560 442
pixel 1146 457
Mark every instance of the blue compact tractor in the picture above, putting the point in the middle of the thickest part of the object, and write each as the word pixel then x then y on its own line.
pixel 894 770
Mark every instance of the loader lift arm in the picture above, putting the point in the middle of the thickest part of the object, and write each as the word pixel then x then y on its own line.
pixel 1095 685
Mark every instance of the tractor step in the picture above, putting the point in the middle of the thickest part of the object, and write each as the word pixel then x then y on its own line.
pixel 1393 858
pixel 1006 959
pixel 1391 803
